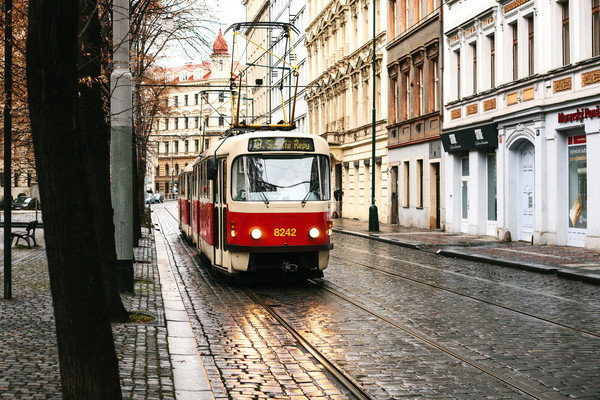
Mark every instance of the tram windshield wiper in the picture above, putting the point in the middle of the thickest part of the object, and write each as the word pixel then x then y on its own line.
pixel 261 186
pixel 310 190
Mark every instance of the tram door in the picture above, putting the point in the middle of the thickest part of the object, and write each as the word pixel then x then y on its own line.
pixel 220 212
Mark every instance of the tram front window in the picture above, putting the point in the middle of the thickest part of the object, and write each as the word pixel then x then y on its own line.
pixel 276 178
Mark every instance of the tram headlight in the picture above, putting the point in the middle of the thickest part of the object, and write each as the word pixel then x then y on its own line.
pixel 232 227
pixel 255 233
pixel 329 226
pixel 314 232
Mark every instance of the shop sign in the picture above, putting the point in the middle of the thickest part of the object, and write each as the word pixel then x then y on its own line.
pixel 481 137
pixel 579 115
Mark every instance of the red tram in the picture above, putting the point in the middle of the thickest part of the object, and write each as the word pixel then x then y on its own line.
pixel 260 201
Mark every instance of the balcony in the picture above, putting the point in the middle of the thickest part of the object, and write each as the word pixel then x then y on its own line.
pixel 414 130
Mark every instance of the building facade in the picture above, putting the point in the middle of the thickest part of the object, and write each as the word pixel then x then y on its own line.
pixel 414 118
pixel 199 113
pixel 340 99
pixel 522 119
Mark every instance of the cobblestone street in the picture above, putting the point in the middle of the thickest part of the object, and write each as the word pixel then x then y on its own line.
pixel 400 321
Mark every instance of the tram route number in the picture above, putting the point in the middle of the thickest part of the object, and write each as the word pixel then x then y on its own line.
pixel 285 232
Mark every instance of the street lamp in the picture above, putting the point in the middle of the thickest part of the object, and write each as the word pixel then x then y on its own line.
pixel 373 217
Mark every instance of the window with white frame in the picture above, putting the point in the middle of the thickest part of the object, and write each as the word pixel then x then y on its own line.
pixel 406 184
pixel 406 95
pixel 514 28
pixel 474 66
pixel 566 37
pixel 394 98
pixel 530 46
pixel 492 39
pixel 419 92
pixel 393 18
pixel 457 58
pixel 432 85
pixel 595 28
pixel 419 178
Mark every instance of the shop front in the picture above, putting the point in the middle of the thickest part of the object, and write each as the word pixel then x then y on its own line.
pixel 576 133
pixel 471 179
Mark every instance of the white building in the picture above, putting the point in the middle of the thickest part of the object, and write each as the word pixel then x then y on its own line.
pixel 521 115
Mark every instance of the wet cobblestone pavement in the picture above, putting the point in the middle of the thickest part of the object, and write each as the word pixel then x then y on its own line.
pixel 395 316
pixel 440 328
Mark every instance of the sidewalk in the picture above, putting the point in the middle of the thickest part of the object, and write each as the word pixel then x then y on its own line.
pixel 567 262
pixel 28 349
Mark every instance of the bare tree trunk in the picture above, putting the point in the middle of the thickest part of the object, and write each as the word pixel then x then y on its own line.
pixel 89 367
pixel 96 139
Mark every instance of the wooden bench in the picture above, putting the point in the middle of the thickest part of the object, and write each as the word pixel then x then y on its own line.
pixel 27 234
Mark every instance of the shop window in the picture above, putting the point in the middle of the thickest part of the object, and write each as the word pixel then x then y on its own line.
pixel 465 186
pixel 406 185
pixel 577 182
pixel 419 177
pixel 492 202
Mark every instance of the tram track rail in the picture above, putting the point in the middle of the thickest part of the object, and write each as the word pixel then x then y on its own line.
pixel 342 378
pixel 514 383
pixel 477 299
pixel 520 383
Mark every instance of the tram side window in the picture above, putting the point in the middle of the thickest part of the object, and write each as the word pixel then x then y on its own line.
pixel 202 180
pixel 224 176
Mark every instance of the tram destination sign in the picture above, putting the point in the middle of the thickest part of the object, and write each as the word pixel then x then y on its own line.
pixel 281 144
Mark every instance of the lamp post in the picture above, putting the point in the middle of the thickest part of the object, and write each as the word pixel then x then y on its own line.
pixel 373 217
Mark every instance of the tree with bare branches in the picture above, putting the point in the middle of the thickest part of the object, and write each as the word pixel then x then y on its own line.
pixel 159 27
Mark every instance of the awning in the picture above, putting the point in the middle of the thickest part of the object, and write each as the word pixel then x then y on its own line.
pixel 479 137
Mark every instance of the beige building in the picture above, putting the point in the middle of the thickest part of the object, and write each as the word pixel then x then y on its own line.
pixel 340 98
pixel 200 113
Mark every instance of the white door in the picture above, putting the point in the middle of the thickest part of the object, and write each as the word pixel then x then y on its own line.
pixel 526 192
